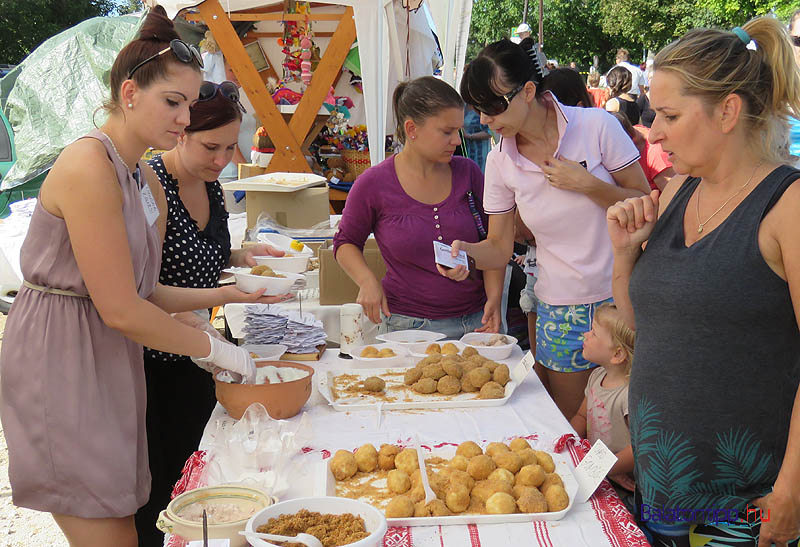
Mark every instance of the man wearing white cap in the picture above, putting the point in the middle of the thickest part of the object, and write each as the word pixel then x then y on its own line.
pixel 523 31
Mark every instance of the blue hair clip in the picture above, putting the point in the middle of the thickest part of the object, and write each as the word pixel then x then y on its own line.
pixel 741 34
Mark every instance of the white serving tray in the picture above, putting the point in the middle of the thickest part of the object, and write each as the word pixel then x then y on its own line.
pixel 326 486
pixel 366 401
pixel 276 182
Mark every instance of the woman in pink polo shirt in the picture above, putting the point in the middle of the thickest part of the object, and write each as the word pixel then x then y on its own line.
pixel 562 167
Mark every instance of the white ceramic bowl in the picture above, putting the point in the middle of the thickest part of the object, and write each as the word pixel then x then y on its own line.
pixel 419 351
pixel 380 362
pixel 243 497
pixel 266 352
pixel 249 283
pixel 374 521
pixel 495 353
pixel 293 264
pixel 413 340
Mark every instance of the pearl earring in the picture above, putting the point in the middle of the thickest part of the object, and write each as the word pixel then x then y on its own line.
pixel 130 105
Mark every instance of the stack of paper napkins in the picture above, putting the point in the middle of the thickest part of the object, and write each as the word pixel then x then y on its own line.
pixel 269 324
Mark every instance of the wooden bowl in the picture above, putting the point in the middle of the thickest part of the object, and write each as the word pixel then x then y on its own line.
pixel 282 400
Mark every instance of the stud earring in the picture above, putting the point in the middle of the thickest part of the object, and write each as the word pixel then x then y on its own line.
pixel 130 105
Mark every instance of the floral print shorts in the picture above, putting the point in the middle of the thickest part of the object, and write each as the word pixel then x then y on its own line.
pixel 559 335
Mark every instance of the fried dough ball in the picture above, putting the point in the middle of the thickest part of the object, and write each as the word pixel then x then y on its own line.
pixel 420 510
pixel 556 498
pixel 457 499
pixel 434 370
pixel 483 490
pixel 386 456
pixel 545 460
pixel 433 348
pixel 496 448
pixel 501 474
pixel 501 504
pixel 425 386
pixel 491 365
pixel 531 475
pixel 438 508
pixel 387 352
pixel 468 449
pixel 550 479
pixel 400 507
pixel 508 460
pixel 501 375
pixel 461 479
pixel 459 462
pixel 469 352
pixel 477 358
pixel 466 366
pixel 453 369
pixel 492 390
pixel 479 376
pixel 416 493
pixel 430 359
pixel 448 385
pixel 415 477
pixel 258 270
pixel 366 458
pixel 439 483
pixel 528 456
pixel 449 349
pixel 370 352
pixel 532 501
pixel 480 467
pixel 343 465
pixel 466 387
pixel 374 384
pixel 412 375
pixel 398 481
pixel 519 490
pixel 519 443
pixel 407 460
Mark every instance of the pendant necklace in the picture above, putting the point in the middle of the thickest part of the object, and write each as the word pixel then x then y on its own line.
pixel 700 225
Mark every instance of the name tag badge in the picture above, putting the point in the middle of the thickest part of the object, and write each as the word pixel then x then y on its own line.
pixel 151 211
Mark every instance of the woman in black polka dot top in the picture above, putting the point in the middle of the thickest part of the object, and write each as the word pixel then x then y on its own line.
pixel 197 246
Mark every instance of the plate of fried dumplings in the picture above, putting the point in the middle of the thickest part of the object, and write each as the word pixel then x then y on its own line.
pixel 379 354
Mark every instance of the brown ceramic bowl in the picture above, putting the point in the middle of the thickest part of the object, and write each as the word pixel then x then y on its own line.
pixel 282 400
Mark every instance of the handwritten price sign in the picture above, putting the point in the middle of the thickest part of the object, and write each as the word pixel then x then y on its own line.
pixel 593 469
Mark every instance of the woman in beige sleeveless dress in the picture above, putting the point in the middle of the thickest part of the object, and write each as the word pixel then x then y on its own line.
pixel 73 386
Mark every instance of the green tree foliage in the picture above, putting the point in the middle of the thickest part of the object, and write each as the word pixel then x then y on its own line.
pixel 736 12
pixel 24 24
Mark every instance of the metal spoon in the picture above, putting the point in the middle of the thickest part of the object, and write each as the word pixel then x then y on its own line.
pixel 305 539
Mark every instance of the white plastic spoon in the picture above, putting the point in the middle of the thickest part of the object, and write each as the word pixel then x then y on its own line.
pixel 430 495
pixel 305 539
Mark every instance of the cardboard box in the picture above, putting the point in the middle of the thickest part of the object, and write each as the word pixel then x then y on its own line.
pixel 247 170
pixel 296 209
pixel 335 286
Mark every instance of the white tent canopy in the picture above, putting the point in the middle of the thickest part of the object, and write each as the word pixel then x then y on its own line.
pixel 379 42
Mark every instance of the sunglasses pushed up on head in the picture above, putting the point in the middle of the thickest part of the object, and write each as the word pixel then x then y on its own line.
pixel 185 53
pixel 209 90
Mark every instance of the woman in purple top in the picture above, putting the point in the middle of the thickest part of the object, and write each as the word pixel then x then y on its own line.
pixel 421 195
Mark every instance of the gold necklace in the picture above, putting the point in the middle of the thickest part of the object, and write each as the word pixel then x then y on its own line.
pixel 700 225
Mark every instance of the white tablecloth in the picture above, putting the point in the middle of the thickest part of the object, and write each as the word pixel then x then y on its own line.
pixel 530 412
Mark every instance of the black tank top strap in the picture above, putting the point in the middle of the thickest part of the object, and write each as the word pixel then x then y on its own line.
pixel 789 175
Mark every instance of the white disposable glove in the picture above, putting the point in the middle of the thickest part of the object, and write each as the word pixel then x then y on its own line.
pixel 230 357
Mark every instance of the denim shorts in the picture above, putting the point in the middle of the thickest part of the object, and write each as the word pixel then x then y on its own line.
pixel 453 327
pixel 559 335
pixel 527 298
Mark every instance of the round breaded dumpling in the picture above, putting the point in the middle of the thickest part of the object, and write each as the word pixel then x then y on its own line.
pixel 478 358
pixel 520 489
pixel 480 467
pixel 556 498
pixel 438 508
pixel 545 460
pixel 501 504
pixel 461 479
pixel 491 365
pixel 433 348
pixel 466 387
pixel 387 352
pixel 468 365
pixel 496 448
pixel 469 449
pixel 400 507
pixel 452 368
pixel 550 479
pixel 366 458
pixel 457 499
pixel 420 510
pixel 343 465
pixel 483 490
pixel 386 456
pixel 407 460
pixel 531 501
pixel 508 460
pixel 479 376
pixel 412 375
pixel 531 475
pixel 449 349
pixel 434 370
pixel 528 456
pixel 398 481
pixel 426 386
pixel 518 444
pixel 469 352
pixel 492 390
pixel 501 375
pixel 501 474
pixel 374 384
pixel 448 385
pixel 370 352
pixel 416 493
pixel 439 483
pixel 459 462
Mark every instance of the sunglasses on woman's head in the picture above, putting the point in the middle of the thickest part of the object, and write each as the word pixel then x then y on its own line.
pixel 185 53
pixel 209 90
pixel 795 40
pixel 499 104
